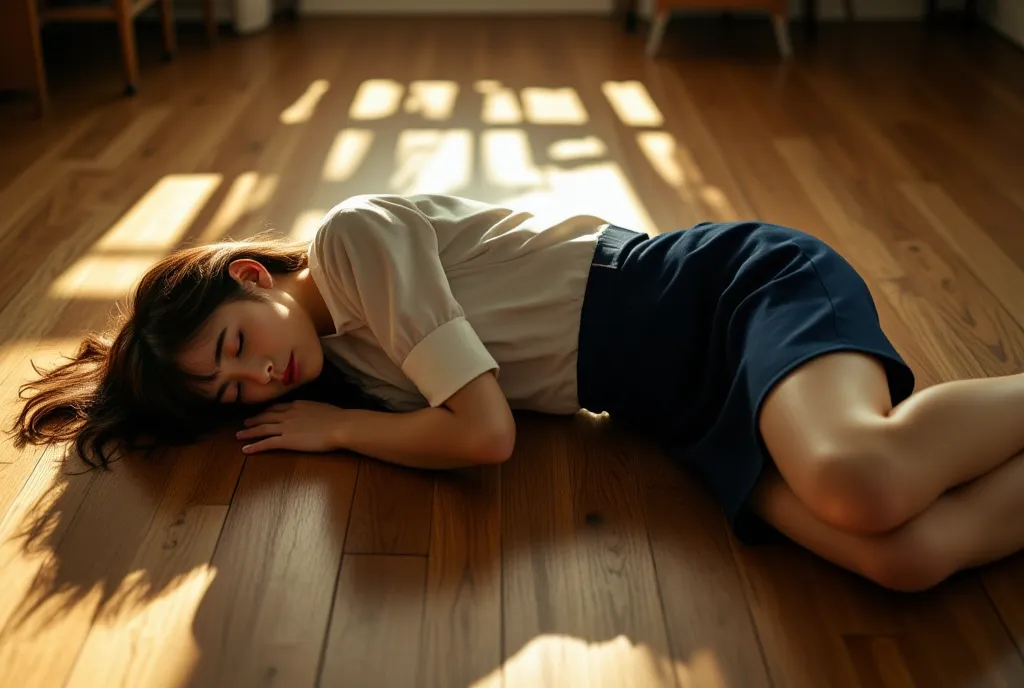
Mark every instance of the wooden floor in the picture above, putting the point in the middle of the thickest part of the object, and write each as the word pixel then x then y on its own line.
pixel 587 559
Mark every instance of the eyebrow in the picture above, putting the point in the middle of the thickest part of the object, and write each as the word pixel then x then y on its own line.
pixel 216 359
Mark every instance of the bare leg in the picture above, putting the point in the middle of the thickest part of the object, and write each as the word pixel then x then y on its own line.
pixel 974 524
pixel 862 466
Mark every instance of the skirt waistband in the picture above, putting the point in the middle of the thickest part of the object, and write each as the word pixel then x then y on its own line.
pixel 600 318
pixel 610 245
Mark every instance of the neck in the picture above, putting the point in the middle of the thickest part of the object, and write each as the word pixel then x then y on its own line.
pixel 301 287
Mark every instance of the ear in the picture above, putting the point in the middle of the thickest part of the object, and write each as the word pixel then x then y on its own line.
pixel 248 271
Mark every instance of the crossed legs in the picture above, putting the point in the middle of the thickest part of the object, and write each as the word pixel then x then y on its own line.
pixel 904 497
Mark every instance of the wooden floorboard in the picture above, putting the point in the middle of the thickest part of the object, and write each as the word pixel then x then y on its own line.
pixel 589 558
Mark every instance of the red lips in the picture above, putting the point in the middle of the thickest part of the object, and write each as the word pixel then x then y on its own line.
pixel 291 373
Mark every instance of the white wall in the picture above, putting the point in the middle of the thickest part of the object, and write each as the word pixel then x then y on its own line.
pixel 311 7
pixel 1006 16
pixel 863 9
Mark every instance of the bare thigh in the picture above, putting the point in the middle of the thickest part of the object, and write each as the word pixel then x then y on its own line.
pixel 824 427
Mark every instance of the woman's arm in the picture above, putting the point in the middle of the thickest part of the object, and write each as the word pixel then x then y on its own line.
pixel 475 426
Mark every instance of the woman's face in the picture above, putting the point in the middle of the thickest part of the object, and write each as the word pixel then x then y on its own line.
pixel 256 349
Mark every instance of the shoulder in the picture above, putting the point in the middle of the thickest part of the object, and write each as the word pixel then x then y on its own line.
pixel 396 208
pixel 362 210
pixel 388 217
pixel 358 219
pixel 374 229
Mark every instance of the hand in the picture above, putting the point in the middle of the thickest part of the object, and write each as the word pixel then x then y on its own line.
pixel 305 426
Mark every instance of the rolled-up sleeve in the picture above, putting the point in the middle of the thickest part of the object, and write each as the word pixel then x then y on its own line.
pixel 380 259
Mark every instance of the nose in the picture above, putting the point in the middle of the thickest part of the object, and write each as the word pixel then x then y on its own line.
pixel 258 372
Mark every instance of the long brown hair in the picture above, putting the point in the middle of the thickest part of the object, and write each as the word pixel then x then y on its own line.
pixel 124 389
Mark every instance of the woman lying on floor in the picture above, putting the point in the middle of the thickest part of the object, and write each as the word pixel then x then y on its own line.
pixel 753 352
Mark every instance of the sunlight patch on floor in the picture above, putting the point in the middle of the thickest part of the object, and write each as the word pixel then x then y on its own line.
pixel 432 161
pixel 666 157
pixel 553 659
pixel 376 99
pixel 303 108
pixel 434 100
pixel 600 189
pixel 501 104
pixel 508 158
pixel 161 217
pixel 675 164
pixel 248 193
pixel 152 227
pixel 101 277
pixel 577 149
pixel 554 106
pixel 347 154
pixel 633 103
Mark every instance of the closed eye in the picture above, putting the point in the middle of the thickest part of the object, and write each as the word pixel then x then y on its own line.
pixel 241 343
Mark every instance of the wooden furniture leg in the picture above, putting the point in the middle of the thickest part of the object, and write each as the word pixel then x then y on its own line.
pixel 657 32
pixel 125 19
pixel 167 22
pixel 781 23
pixel 21 52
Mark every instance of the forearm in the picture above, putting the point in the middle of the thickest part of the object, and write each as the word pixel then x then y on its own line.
pixel 426 438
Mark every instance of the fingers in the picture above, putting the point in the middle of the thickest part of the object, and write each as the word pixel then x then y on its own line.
pixel 275 442
pixel 260 431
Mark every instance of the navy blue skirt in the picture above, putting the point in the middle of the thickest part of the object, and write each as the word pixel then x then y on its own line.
pixel 684 334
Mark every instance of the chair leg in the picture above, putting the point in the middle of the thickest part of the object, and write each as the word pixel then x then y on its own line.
pixel 126 31
pixel 167 19
pixel 781 23
pixel 657 33
pixel 210 18
pixel 848 6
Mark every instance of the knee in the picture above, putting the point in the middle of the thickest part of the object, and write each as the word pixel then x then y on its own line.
pixel 857 486
pixel 909 560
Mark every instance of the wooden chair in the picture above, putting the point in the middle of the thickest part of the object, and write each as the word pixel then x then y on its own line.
pixel 123 13
pixel 779 10
pixel 21 48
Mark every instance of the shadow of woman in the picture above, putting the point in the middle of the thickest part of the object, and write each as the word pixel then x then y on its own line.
pixel 550 569
pixel 587 554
